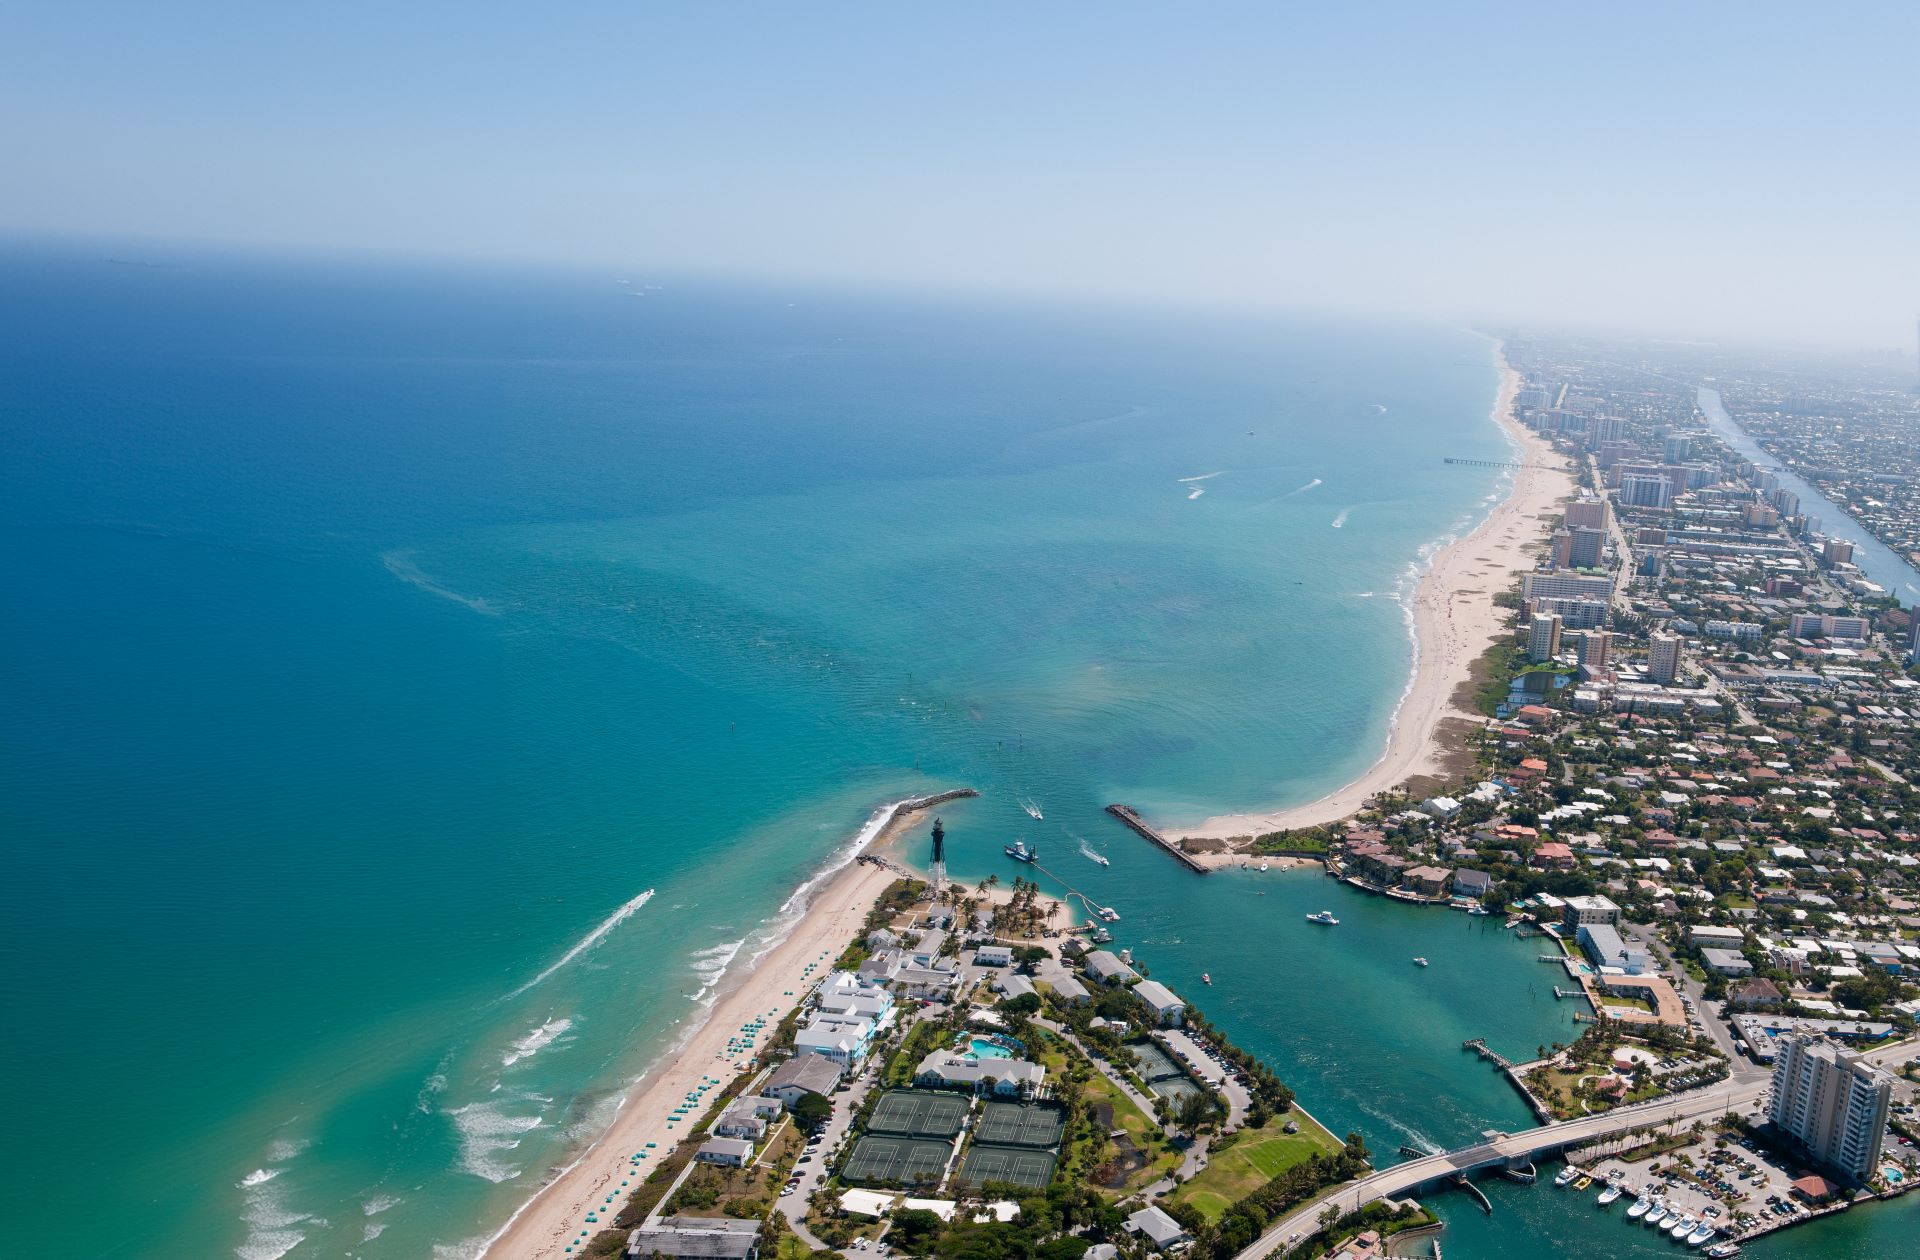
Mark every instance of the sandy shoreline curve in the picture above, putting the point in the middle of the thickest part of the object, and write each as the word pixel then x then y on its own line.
pixel 1454 620
pixel 546 1223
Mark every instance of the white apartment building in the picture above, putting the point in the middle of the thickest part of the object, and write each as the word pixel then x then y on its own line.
pixel 1832 1101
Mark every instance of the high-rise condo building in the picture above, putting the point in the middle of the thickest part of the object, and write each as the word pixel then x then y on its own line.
pixel 1832 1101
pixel 1566 586
pixel 1561 549
pixel 1543 638
pixel 1648 490
pixel 1594 648
pixel 1574 614
pixel 1587 514
pixel 1585 548
pixel 1836 551
pixel 1663 657
pixel 1678 449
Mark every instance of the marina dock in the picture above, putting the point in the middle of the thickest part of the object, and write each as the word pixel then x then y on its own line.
pixel 1139 825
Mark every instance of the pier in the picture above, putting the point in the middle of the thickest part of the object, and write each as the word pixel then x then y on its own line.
pixel 1096 912
pixel 1568 993
pixel 1139 825
pixel 1480 1047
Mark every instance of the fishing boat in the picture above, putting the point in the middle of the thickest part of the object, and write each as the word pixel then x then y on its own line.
pixel 1640 1208
pixel 1419 962
pixel 1326 917
pixel 1702 1236
pixel 1609 1196
pixel 1205 978
pixel 1682 1227
pixel 1019 852
pixel 1656 1214
pixel 1566 1176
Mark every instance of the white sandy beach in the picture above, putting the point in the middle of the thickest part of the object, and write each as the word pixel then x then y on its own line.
pixel 1454 620
pixel 556 1215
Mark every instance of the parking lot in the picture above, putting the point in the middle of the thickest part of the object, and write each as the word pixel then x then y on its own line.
pixel 1709 1182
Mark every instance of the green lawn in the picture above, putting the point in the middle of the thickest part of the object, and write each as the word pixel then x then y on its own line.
pixel 1253 1158
pixel 1126 1115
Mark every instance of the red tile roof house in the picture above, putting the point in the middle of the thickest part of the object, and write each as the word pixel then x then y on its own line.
pixel 1553 854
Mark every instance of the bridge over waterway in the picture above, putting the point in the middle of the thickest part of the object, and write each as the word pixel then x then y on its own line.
pixel 1497 1152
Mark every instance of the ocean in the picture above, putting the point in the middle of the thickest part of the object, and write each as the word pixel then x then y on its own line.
pixel 425 684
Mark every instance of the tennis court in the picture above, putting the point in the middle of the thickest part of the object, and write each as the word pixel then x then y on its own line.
pixel 1017 1165
pixel 908 1161
pixel 918 1113
pixel 1011 1124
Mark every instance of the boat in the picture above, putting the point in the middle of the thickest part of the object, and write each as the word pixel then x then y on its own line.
pixel 1700 1237
pixel 1019 852
pixel 1109 914
pixel 1682 1227
pixel 1419 962
pixel 1266 866
pixel 1479 910
pixel 1724 1251
pixel 1205 978
pixel 1584 1183
pixel 1033 810
pixel 1566 1176
pixel 1101 858
pixel 1609 1195
pixel 1640 1208
pixel 1100 936
pixel 1656 1214
pixel 1326 917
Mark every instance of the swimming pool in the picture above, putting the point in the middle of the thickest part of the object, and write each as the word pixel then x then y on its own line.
pixel 987 1048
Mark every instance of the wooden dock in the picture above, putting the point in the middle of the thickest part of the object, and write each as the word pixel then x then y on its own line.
pixel 1139 825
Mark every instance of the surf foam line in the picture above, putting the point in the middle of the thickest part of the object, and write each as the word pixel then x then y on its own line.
pixel 791 911
pixel 588 941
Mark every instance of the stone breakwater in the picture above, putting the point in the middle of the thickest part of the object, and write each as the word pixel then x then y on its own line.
pixel 1126 814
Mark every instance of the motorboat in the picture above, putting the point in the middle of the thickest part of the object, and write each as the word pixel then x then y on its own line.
pixel 1566 1176
pixel 1419 962
pixel 1702 1236
pixel 1681 1228
pixel 1584 1183
pixel 1480 910
pixel 1724 1251
pixel 1324 916
pixel 1640 1208
pixel 1610 1195
pixel 1205 978
pixel 1266 866
pixel 1656 1214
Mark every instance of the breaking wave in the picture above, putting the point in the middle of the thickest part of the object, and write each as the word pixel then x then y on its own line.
pixel 712 963
pixel 486 1131
pixel 536 1041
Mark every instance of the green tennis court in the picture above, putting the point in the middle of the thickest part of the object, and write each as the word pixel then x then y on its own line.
pixel 1011 1124
pixel 907 1161
pixel 1017 1165
pixel 919 1113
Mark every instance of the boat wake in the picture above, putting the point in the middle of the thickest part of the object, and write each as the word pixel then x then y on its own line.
pixel 1303 489
pixel 1032 807
pixel 1089 852
pixel 1195 493
pixel 588 941
pixel 401 565
pixel 1341 520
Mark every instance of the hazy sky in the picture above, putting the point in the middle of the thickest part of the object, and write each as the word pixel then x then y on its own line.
pixel 1734 169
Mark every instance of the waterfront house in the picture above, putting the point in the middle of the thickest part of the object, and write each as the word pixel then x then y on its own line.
pixel 1362 1246
pixel 802 1074
pixel 742 1121
pixel 1103 966
pixel 1157 1228
pixel 842 1040
pixel 1428 881
pixel 1167 1009
pixel 725 1152
pixel 1470 883
pixel 696 1238
pixel 1553 855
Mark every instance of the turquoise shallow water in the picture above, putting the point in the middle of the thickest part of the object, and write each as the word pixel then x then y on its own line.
pixel 378 639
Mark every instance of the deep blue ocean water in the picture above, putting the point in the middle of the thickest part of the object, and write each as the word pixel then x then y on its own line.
pixel 377 636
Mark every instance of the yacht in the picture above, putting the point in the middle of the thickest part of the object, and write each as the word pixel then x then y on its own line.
pixel 1724 1251
pixel 1566 1176
pixel 1639 1208
pixel 1656 1214
pixel 1608 1195
pixel 1681 1228
pixel 1019 852
pixel 1700 1237
pixel 1419 962
pixel 1326 917
pixel 1479 910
